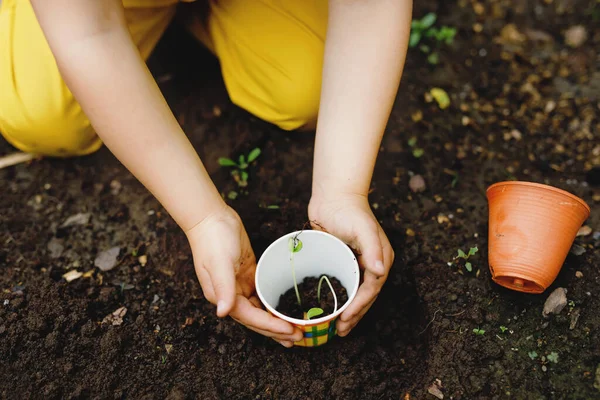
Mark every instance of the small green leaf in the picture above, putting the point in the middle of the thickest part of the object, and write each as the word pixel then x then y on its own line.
pixel 473 250
pixel 503 328
pixel 433 32
pixel 244 176
pixel 424 48
pixel 227 162
pixel 428 20
pixel 461 254
pixel 314 312
pixel 253 155
pixel 478 332
pixel 441 97
pixel 469 267
pixel 242 159
pixel 412 141
pixel 433 58
pixel 294 245
pixel 553 357
pixel 533 355
pixel 418 152
pixel 273 207
pixel 232 195
pixel 415 38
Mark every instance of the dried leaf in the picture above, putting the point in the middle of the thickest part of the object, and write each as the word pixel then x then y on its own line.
pixel 77 219
pixel 116 317
pixel 72 275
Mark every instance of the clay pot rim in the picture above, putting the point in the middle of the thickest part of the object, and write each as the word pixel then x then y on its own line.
pixel 541 186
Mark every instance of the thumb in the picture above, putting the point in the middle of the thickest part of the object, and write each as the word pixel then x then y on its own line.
pixel 371 251
pixel 222 276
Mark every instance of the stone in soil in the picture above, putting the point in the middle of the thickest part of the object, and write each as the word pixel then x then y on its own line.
pixel 107 260
pixel 555 302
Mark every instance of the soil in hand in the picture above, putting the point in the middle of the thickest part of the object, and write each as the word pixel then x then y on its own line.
pixel 288 303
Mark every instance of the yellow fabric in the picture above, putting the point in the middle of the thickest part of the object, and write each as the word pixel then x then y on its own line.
pixel 270 52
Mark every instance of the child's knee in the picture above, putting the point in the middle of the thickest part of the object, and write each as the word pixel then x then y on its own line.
pixel 296 100
pixel 48 131
pixel 289 94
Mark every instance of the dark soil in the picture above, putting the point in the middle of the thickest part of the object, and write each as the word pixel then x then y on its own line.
pixel 308 288
pixel 524 105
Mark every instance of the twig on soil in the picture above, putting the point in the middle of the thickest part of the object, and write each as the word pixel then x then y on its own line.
pixel 457 314
pixel 430 322
pixel 15 158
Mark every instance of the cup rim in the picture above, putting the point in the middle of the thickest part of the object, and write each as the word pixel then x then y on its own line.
pixel 317 321
pixel 540 186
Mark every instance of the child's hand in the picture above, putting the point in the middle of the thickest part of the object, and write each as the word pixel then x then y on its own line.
pixel 225 266
pixel 349 217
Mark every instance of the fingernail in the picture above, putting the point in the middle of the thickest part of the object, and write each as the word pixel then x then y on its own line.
pixel 297 338
pixel 379 267
pixel 286 344
pixel 220 307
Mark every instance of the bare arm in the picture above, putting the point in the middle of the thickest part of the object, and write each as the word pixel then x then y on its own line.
pixel 364 56
pixel 103 69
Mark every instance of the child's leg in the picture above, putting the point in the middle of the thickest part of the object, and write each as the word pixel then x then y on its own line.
pixel 271 55
pixel 37 112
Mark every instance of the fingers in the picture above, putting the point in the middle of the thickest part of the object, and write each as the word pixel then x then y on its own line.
pixel 222 276
pixel 344 327
pixel 367 292
pixel 255 318
pixel 368 243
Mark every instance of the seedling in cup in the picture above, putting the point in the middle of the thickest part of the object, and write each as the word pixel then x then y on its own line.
pixel 291 276
pixel 239 172
pixel 295 245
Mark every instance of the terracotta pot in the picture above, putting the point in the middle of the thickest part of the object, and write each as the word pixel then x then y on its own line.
pixel 321 253
pixel 532 228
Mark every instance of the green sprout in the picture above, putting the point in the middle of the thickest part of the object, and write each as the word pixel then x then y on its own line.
pixel 466 256
pixel 533 355
pixel 478 332
pixel 295 245
pixel 316 311
pixel 239 172
pixel 417 152
pixel 423 28
pixel 503 328
pixel 553 357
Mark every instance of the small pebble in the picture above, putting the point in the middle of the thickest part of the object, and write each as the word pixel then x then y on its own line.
pixel 417 184
pixel 555 302
pixel 544 368
pixel 575 36
pixel 579 274
pixel 584 231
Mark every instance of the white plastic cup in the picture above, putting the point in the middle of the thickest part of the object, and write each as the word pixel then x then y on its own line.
pixel 321 254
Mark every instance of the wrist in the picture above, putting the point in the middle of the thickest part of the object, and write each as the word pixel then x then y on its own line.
pixel 325 189
pixel 201 211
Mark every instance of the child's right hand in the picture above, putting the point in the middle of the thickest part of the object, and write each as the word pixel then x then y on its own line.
pixel 225 265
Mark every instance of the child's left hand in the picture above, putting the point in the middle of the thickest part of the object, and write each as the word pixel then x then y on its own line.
pixel 349 217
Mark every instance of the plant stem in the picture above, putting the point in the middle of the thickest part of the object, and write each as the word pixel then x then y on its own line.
pixel 294 277
pixel 330 288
